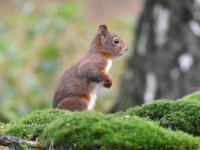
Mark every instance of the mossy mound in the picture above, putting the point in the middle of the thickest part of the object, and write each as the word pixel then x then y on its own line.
pixel 192 97
pixel 183 114
pixel 92 130
pixel 31 126
pixel 123 130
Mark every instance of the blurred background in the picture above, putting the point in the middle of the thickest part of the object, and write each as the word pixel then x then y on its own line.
pixel 40 39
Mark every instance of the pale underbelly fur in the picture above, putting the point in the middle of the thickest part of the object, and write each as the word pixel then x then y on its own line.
pixel 97 86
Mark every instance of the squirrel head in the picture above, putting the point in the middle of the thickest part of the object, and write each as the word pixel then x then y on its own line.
pixel 110 43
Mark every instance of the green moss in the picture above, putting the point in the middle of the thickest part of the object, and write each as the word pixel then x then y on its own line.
pixel 84 130
pixel 177 121
pixel 192 97
pixel 123 130
pixel 2 128
pixel 32 125
pixel 179 115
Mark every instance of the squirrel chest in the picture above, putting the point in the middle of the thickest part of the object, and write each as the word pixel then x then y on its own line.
pixel 97 86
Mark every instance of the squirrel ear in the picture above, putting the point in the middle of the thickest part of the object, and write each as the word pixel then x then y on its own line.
pixel 103 29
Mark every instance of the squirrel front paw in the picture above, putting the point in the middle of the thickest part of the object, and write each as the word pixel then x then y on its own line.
pixel 108 83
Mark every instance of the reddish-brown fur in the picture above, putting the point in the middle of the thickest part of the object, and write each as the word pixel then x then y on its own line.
pixel 78 81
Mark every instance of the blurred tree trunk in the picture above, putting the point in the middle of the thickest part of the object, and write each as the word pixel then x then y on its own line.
pixel 166 58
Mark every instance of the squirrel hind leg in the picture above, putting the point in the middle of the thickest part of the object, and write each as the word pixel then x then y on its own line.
pixel 73 104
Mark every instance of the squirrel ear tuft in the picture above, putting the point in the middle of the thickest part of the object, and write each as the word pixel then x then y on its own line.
pixel 103 29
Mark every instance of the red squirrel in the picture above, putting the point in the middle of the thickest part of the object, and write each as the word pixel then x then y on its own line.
pixel 76 90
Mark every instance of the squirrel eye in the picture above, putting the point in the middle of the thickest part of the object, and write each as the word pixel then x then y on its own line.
pixel 115 41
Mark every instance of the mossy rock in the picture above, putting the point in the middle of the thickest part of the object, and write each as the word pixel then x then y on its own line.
pixel 183 114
